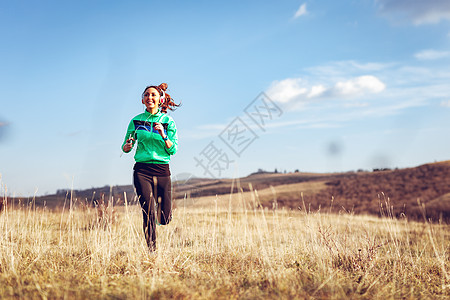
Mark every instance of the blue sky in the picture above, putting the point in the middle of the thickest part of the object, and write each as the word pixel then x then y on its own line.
pixel 347 85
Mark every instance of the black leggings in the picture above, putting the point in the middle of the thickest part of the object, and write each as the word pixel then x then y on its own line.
pixel 149 189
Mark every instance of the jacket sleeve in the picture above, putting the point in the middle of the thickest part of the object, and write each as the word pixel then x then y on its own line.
pixel 173 137
pixel 131 132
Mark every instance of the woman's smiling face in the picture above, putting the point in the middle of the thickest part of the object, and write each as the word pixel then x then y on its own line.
pixel 151 99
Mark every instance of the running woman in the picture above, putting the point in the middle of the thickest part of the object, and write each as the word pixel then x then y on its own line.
pixel 156 136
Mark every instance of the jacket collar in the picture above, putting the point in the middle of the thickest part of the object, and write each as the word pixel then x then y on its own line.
pixel 149 115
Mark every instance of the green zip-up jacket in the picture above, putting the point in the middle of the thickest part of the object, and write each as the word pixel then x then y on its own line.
pixel 151 148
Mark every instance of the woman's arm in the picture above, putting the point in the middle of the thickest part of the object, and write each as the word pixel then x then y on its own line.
pixel 129 140
pixel 170 139
pixel 128 145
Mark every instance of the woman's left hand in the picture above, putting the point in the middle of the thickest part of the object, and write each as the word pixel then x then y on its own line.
pixel 159 128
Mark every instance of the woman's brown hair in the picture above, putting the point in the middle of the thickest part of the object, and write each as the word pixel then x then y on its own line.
pixel 168 101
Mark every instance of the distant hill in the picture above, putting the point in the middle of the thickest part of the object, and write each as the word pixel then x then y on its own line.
pixel 411 192
pixel 406 189
pixel 401 191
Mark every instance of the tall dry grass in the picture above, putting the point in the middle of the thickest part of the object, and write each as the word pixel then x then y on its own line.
pixel 82 252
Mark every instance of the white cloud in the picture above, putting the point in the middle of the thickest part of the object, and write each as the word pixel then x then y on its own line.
pixel 346 68
pixel 431 54
pixel 358 86
pixel 418 12
pixel 286 90
pixel 301 11
pixel 331 95
pixel 316 91
pixel 297 89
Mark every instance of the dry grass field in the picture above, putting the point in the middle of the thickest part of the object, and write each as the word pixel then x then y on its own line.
pixel 220 252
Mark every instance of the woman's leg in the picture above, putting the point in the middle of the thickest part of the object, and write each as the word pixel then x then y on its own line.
pixel 144 189
pixel 164 190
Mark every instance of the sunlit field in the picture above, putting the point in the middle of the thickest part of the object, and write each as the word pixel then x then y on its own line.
pixel 83 252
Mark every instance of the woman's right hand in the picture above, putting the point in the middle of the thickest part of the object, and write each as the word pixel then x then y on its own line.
pixel 128 145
